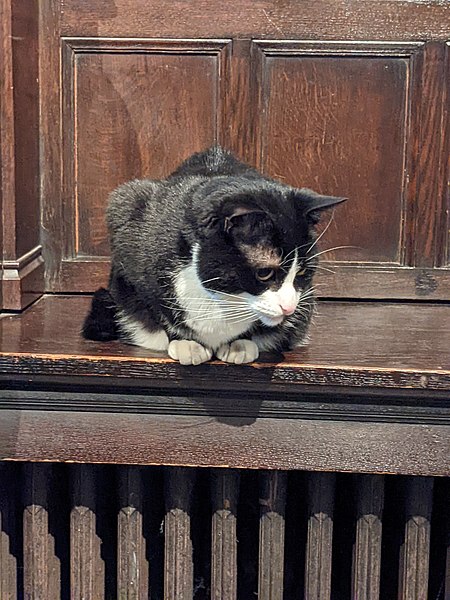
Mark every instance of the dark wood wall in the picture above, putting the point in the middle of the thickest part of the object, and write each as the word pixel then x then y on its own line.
pixel 21 256
pixel 345 97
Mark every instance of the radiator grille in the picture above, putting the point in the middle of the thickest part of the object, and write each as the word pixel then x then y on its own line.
pixel 124 532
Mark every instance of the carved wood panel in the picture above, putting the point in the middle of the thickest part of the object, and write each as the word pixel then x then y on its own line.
pixel 133 108
pixel 364 118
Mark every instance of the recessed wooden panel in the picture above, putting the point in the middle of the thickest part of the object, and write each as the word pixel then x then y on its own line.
pixel 337 124
pixel 133 114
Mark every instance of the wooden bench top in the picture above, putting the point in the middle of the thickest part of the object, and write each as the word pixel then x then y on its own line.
pixel 370 393
pixel 364 346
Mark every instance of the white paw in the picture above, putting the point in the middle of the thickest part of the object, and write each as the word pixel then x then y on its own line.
pixel 238 352
pixel 188 352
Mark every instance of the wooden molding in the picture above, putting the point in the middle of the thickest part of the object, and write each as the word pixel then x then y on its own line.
pixel 22 280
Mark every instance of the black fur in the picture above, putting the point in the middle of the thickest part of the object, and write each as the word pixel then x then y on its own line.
pixel 100 323
pixel 220 205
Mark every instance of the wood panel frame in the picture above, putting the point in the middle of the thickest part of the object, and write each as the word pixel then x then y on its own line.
pixel 76 273
pixel 422 270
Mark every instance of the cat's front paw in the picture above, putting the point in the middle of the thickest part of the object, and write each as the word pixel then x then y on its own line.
pixel 188 352
pixel 238 352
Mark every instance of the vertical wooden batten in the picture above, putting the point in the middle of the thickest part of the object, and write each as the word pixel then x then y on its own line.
pixel 87 576
pixel 415 550
pixel 132 565
pixel 22 279
pixel 224 495
pixel 42 571
pixel 272 500
pixel 319 543
pixel 8 534
pixel 367 546
pixel 178 557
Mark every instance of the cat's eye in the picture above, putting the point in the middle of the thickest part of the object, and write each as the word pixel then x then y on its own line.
pixel 301 272
pixel 265 274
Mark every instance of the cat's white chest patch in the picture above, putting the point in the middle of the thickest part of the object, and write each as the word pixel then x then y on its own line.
pixel 215 318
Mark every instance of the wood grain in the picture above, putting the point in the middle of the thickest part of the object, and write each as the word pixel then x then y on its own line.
pixel 367 546
pixel 319 543
pixel 409 350
pixel 87 570
pixel 132 564
pixel 8 534
pixel 316 134
pixel 204 441
pixel 41 566
pixel 272 500
pixel 322 19
pixel 178 559
pixel 414 561
pixel 224 497
pixel 180 82
pixel 415 551
pixel 22 280
pixel 325 97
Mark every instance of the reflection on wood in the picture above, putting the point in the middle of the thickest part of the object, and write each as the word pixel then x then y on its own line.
pixel 367 547
pixel 272 500
pixel 224 495
pixel 319 544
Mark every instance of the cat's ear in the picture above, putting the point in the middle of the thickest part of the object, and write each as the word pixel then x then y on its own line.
pixel 235 218
pixel 311 203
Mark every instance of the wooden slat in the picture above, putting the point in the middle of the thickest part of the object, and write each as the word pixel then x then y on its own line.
pixel 8 562
pixel 178 559
pixel 87 571
pixel 415 551
pixel 320 536
pixel 367 547
pixel 272 499
pixel 132 564
pixel 42 572
pixel 224 496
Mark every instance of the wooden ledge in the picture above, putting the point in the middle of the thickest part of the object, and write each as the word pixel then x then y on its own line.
pixel 359 347
pixel 369 394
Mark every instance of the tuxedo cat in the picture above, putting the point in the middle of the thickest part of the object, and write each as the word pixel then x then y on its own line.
pixel 217 259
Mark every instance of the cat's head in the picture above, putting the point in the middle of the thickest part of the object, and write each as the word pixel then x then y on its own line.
pixel 257 246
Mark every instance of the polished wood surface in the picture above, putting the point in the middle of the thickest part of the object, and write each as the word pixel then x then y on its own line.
pixel 370 393
pixel 359 345
pixel 350 109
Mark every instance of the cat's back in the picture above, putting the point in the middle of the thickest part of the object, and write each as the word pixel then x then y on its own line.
pixel 215 161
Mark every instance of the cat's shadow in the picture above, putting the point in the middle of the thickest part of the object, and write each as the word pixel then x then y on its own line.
pixel 240 409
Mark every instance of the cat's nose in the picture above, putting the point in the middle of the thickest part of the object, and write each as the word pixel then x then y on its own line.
pixel 288 308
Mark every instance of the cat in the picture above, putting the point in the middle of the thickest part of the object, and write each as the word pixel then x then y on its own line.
pixel 216 259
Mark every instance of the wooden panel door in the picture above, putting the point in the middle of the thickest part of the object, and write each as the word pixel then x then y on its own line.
pixel 343 100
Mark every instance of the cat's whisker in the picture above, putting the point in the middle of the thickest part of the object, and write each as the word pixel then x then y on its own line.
pixel 323 232
pixel 309 258
pixel 325 269
pixel 209 280
pixel 284 261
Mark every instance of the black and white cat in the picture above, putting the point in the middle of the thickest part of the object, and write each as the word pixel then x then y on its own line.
pixel 214 260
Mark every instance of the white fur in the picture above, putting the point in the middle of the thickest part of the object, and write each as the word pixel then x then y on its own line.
pixel 209 313
pixel 269 305
pixel 238 352
pixel 188 352
pixel 140 336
